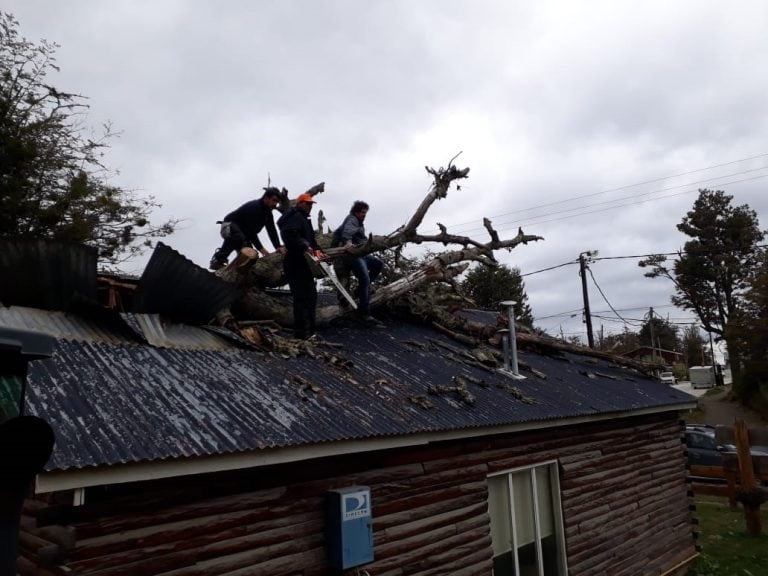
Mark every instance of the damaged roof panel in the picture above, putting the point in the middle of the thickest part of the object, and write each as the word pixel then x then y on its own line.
pixel 176 287
pixel 112 404
pixel 172 335
pixel 29 267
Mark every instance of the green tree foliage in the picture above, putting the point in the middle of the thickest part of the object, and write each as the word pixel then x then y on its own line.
pixel 488 286
pixel 715 267
pixel 750 330
pixel 53 183
pixel 664 334
pixel 620 343
pixel 692 343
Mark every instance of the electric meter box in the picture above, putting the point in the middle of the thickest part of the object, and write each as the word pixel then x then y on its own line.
pixel 349 527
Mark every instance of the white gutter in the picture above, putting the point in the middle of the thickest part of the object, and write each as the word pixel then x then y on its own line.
pixel 76 478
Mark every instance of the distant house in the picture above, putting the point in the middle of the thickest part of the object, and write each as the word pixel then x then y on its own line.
pixel 183 450
pixel 647 353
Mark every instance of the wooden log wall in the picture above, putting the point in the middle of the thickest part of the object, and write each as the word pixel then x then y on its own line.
pixel 625 500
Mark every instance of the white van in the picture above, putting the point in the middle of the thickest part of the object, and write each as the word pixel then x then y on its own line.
pixel 701 376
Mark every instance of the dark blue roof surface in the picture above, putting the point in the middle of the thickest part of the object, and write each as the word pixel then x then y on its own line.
pixel 116 403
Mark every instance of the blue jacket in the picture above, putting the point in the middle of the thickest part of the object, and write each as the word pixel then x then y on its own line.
pixel 351 230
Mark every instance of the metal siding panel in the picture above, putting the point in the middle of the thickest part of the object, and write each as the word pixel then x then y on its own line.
pixel 29 268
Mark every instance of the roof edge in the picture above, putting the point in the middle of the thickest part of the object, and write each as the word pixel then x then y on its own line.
pixel 78 478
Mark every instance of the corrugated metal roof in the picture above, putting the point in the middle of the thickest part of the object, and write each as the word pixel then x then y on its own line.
pixel 176 287
pixel 63 325
pixel 124 328
pixel 28 269
pixel 171 335
pixel 113 404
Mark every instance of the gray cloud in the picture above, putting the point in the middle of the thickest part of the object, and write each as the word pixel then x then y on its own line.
pixel 549 101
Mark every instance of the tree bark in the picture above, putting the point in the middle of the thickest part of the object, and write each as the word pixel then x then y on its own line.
pixel 255 275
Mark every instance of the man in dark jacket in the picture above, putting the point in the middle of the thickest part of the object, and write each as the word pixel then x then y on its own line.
pixel 365 268
pixel 299 238
pixel 241 228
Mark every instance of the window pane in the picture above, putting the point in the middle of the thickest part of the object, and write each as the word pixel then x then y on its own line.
pixel 544 492
pixel 550 543
pixel 522 494
pixel 517 520
pixel 500 513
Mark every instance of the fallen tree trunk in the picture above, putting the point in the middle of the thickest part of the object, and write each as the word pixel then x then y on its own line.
pixel 255 275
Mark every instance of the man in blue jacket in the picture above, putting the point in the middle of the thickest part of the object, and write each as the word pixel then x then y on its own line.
pixel 241 228
pixel 365 268
pixel 299 238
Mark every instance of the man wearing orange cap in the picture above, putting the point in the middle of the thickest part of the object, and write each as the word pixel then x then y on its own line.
pixel 299 239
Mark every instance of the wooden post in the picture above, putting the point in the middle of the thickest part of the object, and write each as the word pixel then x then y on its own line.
pixel 747 476
pixel 730 481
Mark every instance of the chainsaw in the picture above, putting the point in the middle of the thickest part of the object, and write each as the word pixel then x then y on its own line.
pixel 331 275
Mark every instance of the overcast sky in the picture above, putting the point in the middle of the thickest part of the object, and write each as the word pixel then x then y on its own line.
pixel 592 124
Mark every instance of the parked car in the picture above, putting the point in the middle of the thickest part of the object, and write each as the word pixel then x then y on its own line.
pixel 667 378
pixel 703 449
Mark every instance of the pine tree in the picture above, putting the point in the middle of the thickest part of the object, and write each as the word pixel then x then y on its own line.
pixel 53 182
pixel 715 267
pixel 487 286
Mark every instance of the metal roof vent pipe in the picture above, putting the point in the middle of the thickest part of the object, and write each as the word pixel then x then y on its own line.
pixel 509 339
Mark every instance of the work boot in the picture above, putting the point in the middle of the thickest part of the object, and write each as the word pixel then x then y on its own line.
pixel 369 320
pixel 217 261
pixel 217 264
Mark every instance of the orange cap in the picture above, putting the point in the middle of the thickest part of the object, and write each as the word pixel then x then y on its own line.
pixel 305 198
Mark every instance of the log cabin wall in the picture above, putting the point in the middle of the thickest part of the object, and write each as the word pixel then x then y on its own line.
pixel 626 510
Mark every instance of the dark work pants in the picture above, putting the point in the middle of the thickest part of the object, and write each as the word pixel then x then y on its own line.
pixel 302 284
pixel 235 241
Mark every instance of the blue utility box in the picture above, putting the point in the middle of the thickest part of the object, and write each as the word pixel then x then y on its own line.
pixel 349 527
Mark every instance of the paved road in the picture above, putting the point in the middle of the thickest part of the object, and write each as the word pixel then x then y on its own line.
pixel 685 386
pixel 718 409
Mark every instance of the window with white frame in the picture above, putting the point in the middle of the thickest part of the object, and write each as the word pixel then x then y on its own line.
pixel 526 522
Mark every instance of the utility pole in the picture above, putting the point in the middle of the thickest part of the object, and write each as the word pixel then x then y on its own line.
pixel 650 326
pixel 587 314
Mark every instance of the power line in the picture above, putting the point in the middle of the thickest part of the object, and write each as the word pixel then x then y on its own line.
pixel 559 314
pixel 637 256
pixel 635 197
pixel 536 223
pixel 632 256
pixel 625 187
pixel 638 308
pixel 533 221
pixel 551 268
pixel 604 296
